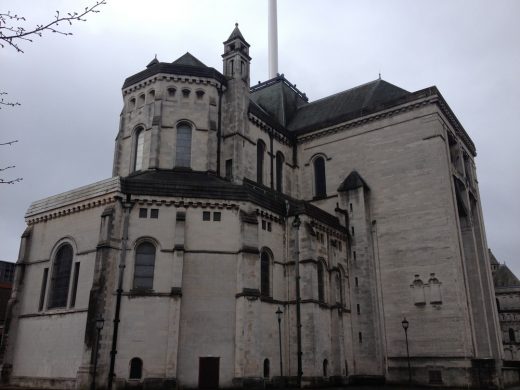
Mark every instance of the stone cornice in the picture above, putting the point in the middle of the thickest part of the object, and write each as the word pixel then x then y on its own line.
pixel 307 137
pixel 69 209
pixel 170 78
pixel 424 98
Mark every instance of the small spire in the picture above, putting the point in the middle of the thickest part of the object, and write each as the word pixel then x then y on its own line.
pixel 236 24
pixel 379 75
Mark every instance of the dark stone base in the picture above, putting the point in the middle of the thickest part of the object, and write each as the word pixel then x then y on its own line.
pixel 373 380
pixel 151 384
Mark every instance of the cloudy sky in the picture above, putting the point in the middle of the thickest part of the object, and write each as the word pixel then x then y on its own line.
pixel 70 87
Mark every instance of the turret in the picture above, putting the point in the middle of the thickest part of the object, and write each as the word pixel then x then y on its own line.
pixel 236 57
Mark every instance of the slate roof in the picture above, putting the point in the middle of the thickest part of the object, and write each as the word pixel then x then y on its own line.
pixel 492 259
pixel 190 60
pixel 345 105
pixel 236 34
pixel 353 181
pixel 504 277
pixel 191 184
pixel 186 65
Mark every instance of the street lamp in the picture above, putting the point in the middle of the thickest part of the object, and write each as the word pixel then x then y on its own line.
pixel 99 326
pixel 279 313
pixel 405 325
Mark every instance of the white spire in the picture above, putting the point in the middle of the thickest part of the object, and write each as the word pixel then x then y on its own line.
pixel 273 40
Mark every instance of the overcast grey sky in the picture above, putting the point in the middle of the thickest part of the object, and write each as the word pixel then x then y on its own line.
pixel 70 87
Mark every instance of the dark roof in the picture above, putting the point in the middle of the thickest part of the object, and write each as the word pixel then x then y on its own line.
pixel 279 98
pixel 504 277
pixel 236 34
pixel 202 185
pixel 268 119
pixel 492 259
pixel 353 181
pixel 153 62
pixel 345 105
pixel 186 65
pixel 190 60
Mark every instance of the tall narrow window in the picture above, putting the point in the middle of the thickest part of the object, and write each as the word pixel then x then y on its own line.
pixel 43 289
pixel 144 266
pixel 279 171
pixel 74 285
pixel 183 149
pixel 139 148
pixel 264 274
pixel 320 186
pixel 512 338
pixel 321 287
pixel 61 277
pixel 260 151
pixel 136 368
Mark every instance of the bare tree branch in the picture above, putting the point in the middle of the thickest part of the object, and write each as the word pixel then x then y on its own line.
pixel 3 181
pixel 9 143
pixel 7 103
pixel 12 33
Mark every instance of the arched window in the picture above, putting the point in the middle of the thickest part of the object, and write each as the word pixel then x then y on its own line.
pixel 136 368
pixel 138 149
pixel 265 285
pixel 512 338
pixel 144 266
pixel 498 304
pixel 266 368
pixel 183 148
pixel 151 96
pixel 260 151
pixel 61 277
pixel 320 186
pixel 325 367
pixel 279 171
pixel 321 287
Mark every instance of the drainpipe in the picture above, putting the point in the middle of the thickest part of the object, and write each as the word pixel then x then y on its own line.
pixel 296 224
pixel 219 129
pixel 272 159
pixel 127 207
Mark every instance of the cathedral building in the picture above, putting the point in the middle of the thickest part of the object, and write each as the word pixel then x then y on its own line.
pixel 355 218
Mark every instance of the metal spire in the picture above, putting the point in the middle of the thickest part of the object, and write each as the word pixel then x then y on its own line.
pixel 273 40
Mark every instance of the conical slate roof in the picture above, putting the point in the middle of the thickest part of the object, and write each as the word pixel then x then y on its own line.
pixel 236 34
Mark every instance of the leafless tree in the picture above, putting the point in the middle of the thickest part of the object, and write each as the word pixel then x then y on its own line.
pixel 13 32
pixel 9 181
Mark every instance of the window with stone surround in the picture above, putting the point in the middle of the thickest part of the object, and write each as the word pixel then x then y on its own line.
pixel 138 149
pixel 320 185
pixel 183 146
pixel 60 279
pixel 144 266
pixel 279 171
pixel 265 274
pixel 321 282
pixel 260 152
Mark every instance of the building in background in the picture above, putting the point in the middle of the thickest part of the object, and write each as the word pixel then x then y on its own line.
pixel 229 202
pixel 6 285
pixel 507 290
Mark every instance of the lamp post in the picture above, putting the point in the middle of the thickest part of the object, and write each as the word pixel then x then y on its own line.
pixel 279 313
pixel 99 325
pixel 405 325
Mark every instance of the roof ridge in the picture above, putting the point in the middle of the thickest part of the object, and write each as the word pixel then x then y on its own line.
pixel 338 93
